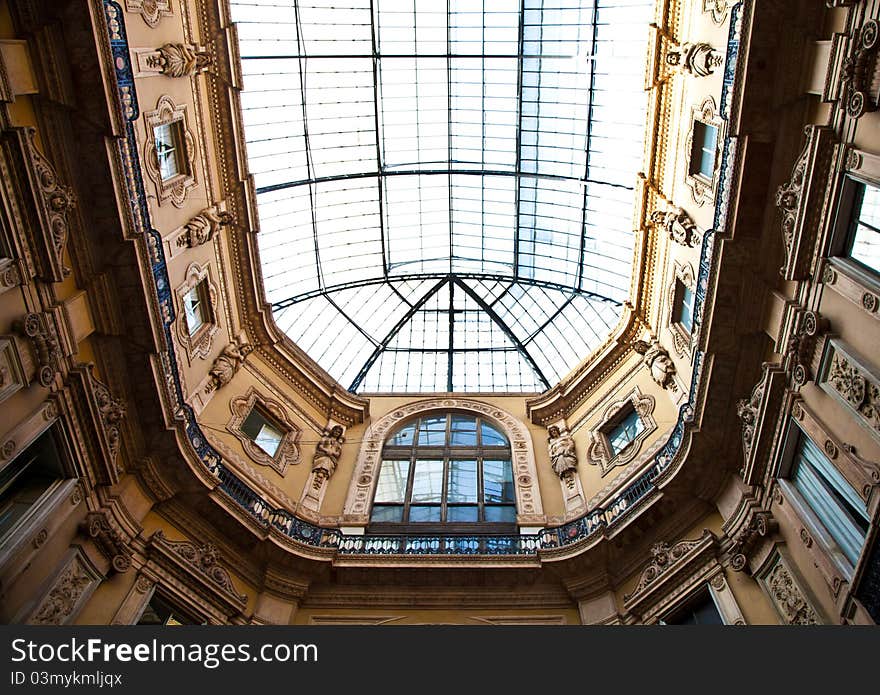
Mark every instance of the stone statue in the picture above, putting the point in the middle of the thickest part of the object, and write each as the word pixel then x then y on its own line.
pixel 226 365
pixel 678 225
pixel 181 60
pixel 201 228
pixel 562 454
pixel 699 59
pixel 658 362
pixel 327 453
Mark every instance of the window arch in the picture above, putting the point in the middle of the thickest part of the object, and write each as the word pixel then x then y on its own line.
pixel 447 470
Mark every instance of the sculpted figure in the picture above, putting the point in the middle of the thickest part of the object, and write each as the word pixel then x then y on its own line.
pixel 226 365
pixel 182 60
pixel 562 454
pixel 327 453
pixel 658 362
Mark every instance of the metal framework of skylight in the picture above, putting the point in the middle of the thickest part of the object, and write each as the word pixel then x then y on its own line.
pixel 445 189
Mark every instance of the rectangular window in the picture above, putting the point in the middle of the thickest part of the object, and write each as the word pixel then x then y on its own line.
pixel 863 239
pixel 169 149
pixel 683 306
pixel 701 610
pixel 838 508
pixel 195 305
pixel 263 431
pixel 625 431
pixel 26 479
pixel 703 150
pixel 161 612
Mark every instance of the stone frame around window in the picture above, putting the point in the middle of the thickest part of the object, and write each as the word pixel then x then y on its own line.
pixel 197 344
pixel 600 453
pixel 683 340
pixel 849 278
pixel 703 189
pixel 175 188
pixel 288 452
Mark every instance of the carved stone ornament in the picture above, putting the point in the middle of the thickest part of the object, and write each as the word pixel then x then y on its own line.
pixel 697 59
pixel 327 453
pixel 175 188
pixel 150 10
pixel 665 559
pixel 563 457
pixel 788 597
pixel 801 345
pixel 525 474
pixel 853 385
pixel 759 525
pixel 202 559
pixel 227 364
pixel 198 343
pixel 202 228
pixel 747 411
pixel 112 412
pixel 679 226
pixel 657 360
pixel 65 597
pixel 788 198
pixel 703 188
pixel 179 60
pixel 858 80
pixel 718 9
pixel 287 452
pixel 600 452
pixel 40 329
pixel 57 202
pixel 110 540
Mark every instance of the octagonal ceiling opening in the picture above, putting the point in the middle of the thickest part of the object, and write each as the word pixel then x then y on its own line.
pixel 445 189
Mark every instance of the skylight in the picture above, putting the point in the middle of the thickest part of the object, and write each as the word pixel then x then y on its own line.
pixel 445 188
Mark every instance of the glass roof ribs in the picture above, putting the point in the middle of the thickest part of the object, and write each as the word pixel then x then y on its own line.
pixel 469 163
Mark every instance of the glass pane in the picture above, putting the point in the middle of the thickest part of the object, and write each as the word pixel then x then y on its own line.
pixel 463 431
pixel 194 309
pixel 625 431
pixel 432 431
pixel 428 481
pixel 491 436
pixel 390 513
pixel 268 439
pixel 404 436
pixel 497 481
pixel 865 243
pixel 466 514
pixel 506 514
pixel 167 150
pixel 392 481
pixel 424 513
pixel 462 481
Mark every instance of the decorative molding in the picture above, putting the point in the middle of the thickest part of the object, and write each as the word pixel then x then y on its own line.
pixel 69 592
pixel 200 564
pixel 855 384
pixel 198 344
pixel 704 190
pixel 359 501
pixel 288 449
pixel 787 595
pixel 173 60
pixel 109 538
pixel 858 91
pixel 43 337
pixel 668 567
pixel 697 59
pixel 718 9
pixel 678 226
pixel 760 524
pixel 599 453
pixel 802 198
pixel 150 10
pixel 758 417
pixel 800 349
pixel 12 374
pixel 176 188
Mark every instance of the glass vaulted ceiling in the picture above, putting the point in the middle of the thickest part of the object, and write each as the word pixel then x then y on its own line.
pixel 445 187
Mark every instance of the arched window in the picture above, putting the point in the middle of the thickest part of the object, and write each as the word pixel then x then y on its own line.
pixel 449 471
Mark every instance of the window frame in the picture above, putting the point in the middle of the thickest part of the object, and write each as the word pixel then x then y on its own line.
pixel 703 187
pixel 447 453
pixel 197 342
pixel 177 136
pixel 601 451
pixel 288 452
pixel 702 594
pixel 174 188
pixel 809 516
pixel 699 147
pixel 683 335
